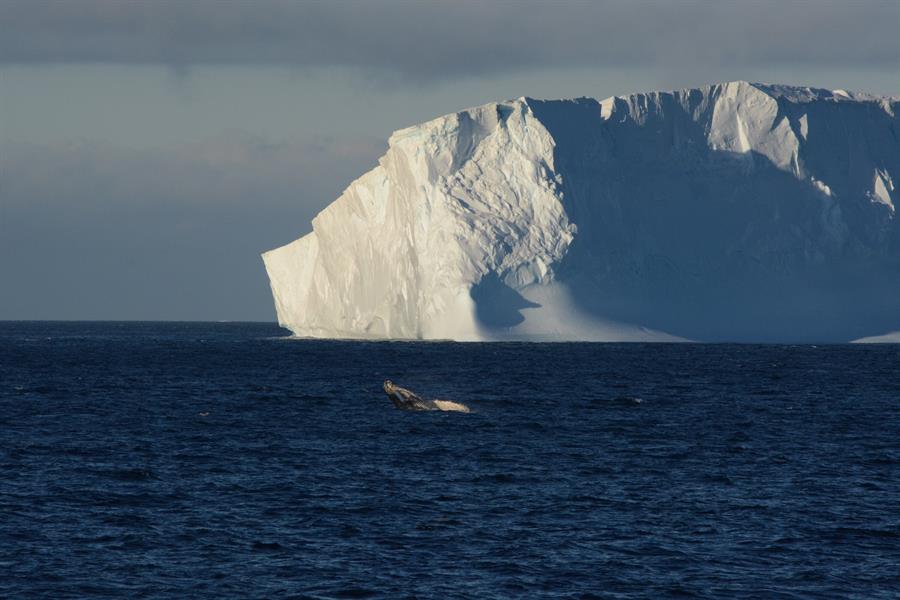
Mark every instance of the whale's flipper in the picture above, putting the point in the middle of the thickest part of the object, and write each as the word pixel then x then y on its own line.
pixel 405 399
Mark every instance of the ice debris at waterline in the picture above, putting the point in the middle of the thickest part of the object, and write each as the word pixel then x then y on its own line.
pixel 405 399
pixel 737 211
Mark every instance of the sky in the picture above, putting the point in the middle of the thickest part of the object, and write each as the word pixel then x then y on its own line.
pixel 150 151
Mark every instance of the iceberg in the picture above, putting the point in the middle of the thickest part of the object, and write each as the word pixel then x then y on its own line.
pixel 732 212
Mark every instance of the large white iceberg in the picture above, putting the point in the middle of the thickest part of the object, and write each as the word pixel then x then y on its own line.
pixel 737 211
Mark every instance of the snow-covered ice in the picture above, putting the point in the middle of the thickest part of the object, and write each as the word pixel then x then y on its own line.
pixel 736 211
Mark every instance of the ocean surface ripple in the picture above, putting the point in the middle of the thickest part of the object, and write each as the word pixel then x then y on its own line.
pixel 185 460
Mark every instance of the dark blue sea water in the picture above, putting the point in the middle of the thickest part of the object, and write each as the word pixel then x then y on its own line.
pixel 159 460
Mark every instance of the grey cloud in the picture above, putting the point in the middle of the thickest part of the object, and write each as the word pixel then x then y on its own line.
pixel 440 40
pixel 93 231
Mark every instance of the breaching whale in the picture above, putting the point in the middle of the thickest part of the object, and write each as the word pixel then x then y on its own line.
pixel 405 399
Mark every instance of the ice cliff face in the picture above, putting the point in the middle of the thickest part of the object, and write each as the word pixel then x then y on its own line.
pixel 732 212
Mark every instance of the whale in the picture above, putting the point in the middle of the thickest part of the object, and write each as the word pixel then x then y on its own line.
pixel 405 399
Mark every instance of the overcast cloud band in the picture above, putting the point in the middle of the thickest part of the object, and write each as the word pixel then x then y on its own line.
pixel 441 40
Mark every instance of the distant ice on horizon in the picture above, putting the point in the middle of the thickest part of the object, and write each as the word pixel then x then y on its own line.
pixel 888 338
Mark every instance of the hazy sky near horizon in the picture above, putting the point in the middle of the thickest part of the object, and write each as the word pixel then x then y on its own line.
pixel 149 151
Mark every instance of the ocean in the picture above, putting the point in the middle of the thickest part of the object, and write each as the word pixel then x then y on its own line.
pixel 211 460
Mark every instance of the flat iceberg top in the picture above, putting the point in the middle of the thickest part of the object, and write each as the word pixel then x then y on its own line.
pixel 809 94
pixel 735 211
pixel 790 93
